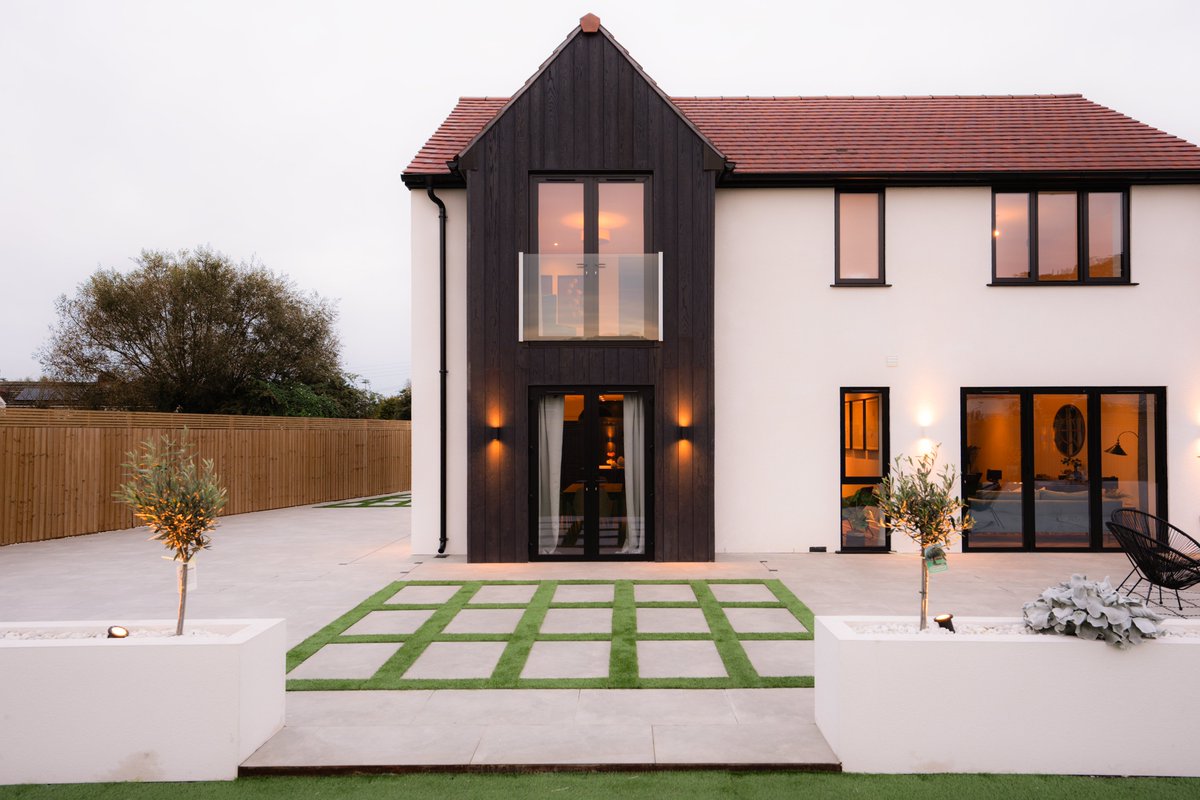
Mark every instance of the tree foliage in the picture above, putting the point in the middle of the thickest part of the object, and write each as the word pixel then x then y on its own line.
pixel 398 406
pixel 196 332
pixel 176 499
pixel 923 507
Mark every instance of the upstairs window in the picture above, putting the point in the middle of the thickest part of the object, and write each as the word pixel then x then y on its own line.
pixel 591 277
pixel 858 228
pixel 1056 237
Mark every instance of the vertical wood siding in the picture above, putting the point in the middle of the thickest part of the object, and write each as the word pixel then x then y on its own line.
pixel 589 111
pixel 58 469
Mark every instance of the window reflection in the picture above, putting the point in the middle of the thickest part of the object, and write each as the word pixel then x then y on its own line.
pixel 858 236
pixel 1058 236
pixel 1010 232
pixel 1106 241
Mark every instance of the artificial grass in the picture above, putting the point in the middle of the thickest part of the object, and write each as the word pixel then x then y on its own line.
pixel 624 636
pixel 632 786
pixel 402 500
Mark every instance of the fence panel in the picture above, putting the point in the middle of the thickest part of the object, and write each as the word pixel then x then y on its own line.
pixel 59 467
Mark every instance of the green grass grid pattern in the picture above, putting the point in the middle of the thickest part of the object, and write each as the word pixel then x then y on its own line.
pixel 402 500
pixel 623 670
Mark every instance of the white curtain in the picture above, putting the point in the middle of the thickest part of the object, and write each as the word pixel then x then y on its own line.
pixel 550 438
pixel 635 474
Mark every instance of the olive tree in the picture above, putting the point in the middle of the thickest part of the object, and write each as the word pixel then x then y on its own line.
pixel 178 499
pixel 912 500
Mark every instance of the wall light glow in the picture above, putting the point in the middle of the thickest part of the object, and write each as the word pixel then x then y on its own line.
pixel 924 417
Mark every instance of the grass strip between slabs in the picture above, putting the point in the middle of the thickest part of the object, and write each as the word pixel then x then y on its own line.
pixel 623 652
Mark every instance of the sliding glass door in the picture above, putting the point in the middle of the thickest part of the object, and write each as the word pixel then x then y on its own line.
pixel 1043 469
pixel 590 470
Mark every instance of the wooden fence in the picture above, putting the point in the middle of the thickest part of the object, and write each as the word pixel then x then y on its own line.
pixel 59 468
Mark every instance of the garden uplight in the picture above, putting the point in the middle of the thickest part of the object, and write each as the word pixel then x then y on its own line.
pixel 945 621
pixel 117 632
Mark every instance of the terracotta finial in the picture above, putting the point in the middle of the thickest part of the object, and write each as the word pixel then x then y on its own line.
pixel 590 23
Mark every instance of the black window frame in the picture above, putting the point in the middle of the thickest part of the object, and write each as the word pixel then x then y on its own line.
pixel 885 447
pixel 838 280
pixel 1093 443
pixel 1084 277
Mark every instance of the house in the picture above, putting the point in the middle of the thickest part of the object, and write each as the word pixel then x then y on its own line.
pixel 678 327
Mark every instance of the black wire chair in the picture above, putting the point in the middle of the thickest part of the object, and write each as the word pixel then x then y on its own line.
pixel 1157 563
pixel 1157 528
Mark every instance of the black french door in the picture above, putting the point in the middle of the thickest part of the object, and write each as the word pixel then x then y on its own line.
pixel 1045 468
pixel 591 471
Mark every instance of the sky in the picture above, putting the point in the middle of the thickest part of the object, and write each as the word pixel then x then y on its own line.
pixel 278 130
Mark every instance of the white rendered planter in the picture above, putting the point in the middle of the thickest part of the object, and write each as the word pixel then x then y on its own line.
pixel 138 709
pixel 1006 703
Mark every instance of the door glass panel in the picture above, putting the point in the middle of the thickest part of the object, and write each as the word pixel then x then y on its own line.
pixel 591 468
pixel 561 474
pixel 1106 240
pixel 992 470
pixel 1058 236
pixel 1011 234
pixel 621 232
pixel 863 462
pixel 1129 461
pixel 559 273
pixel 1061 471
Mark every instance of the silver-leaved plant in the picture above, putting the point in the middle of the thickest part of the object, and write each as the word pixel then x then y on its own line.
pixel 1093 610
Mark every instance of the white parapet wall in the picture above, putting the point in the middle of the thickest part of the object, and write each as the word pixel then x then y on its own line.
pixel 1006 703
pixel 138 709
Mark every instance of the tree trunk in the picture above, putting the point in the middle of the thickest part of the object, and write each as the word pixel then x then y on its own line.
pixel 924 592
pixel 183 568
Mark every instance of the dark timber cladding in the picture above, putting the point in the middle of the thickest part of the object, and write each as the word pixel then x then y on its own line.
pixel 589 110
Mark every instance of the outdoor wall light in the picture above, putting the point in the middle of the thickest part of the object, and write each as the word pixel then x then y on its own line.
pixel 685 433
pixel 118 632
pixel 945 621
pixel 495 433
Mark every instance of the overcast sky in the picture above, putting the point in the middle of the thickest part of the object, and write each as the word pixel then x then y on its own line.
pixel 278 130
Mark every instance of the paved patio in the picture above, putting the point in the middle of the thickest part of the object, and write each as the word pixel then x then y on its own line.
pixel 311 565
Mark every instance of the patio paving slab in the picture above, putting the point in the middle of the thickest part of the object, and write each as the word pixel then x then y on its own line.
pixel 421 595
pixel 657 706
pixel 485 620
pixel 742 593
pixel 344 709
pixel 752 743
pixel 455 660
pixel 504 594
pixel 405 621
pixel 772 705
pixel 764 620
pixel 568 660
pixel 583 593
pixel 679 659
pixel 780 658
pixel 659 593
pixel 566 744
pixel 345 661
pixel 578 620
pixel 671 620
pixel 498 707
pixel 330 746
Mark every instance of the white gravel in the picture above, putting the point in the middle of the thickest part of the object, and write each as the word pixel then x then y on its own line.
pixel 103 634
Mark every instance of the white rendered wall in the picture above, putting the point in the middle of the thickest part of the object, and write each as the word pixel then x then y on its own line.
pixel 786 341
pixel 425 379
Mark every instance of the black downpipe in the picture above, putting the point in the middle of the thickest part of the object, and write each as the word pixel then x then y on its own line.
pixel 441 553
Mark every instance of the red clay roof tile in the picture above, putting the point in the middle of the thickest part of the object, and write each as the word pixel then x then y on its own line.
pixel 873 135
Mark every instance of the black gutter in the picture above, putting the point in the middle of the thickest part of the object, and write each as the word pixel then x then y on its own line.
pixel 441 553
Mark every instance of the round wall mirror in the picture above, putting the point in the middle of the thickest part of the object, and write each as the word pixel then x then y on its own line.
pixel 1070 430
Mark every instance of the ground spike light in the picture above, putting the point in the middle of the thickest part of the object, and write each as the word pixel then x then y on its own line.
pixel 945 621
pixel 117 632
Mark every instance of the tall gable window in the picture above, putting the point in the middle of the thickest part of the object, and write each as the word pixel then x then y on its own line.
pixel 858 226
pixel 591 277
pixel 1054 237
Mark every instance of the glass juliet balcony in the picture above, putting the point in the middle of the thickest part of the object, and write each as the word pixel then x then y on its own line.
pixel 590 297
